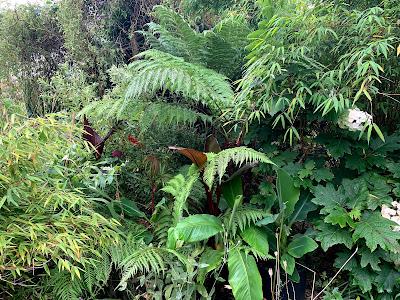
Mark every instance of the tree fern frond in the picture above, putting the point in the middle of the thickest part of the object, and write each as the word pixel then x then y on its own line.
pixel 217 163
pixel 241 218
pixel 97 274
pixel 180 187
pixel 63 287
pixel 225 46
pixel 172 34
pixel 162 71
pixel 168 114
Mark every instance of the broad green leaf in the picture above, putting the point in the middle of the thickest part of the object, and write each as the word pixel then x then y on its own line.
pixel 257 238
pixel 342 261
pixel 267 220
pixel 363 278
pixel 287 263
pixel 301 245
pixel 130 208
pixel 328 197
pixel 231 190
pixel 198 227
pixel 288 193
pixel 301 210
pixel 209 260
pixel 244 277
pixel 377 231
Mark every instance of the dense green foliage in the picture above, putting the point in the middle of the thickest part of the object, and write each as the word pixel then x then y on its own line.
pixel 200 150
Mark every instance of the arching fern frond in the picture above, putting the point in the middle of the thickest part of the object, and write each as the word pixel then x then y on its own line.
pixel 241 217
pixel 217 163
pixel 172 34
pixel 180 187
pixel 162 71
pixel 146 113
pixel 97 274
pixel 161 221
pixel 144 259
pixel 63 287
pixel 225 46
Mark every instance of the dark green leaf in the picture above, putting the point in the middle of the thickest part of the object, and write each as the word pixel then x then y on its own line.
pixel 387 279
pixel 232 189
pixel 288 193
pixel 301 245
pixel 330 235
pixel 288 263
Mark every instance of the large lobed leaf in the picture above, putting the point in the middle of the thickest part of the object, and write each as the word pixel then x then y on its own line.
pixel 377 231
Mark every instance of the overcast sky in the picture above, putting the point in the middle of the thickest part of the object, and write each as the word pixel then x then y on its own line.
pixel 13 3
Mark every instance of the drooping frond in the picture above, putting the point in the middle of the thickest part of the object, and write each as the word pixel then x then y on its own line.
pixel 217 163
pixel 180 188
pixel 157 71
pixel 97 274
pixel 145 113
pixel 225 46
pixel 144 259
pixel 172 34
pixel 242 217
pixel 63 287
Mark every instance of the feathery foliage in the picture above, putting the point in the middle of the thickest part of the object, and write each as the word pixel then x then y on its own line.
pixel 162 71
pixel 217 163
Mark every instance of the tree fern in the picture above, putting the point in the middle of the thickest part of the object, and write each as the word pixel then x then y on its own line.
pixel 217 163
pixel 172 34
pixel 220 49
pixel 225 46
pixel 157 71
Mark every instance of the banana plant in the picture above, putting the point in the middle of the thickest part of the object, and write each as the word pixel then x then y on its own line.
pixel 287 206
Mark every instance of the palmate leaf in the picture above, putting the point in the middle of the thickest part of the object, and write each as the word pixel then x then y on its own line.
pixel 198 227
pixel 330 235
pixel 328 197
pixel 370 258
pixel 387 279
pixel 377 231
pixel 363 278
pixel 244 277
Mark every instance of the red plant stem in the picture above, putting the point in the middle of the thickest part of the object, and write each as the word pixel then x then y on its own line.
pixel 153 192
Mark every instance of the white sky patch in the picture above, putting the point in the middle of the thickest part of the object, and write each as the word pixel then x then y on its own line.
pixel 13 3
